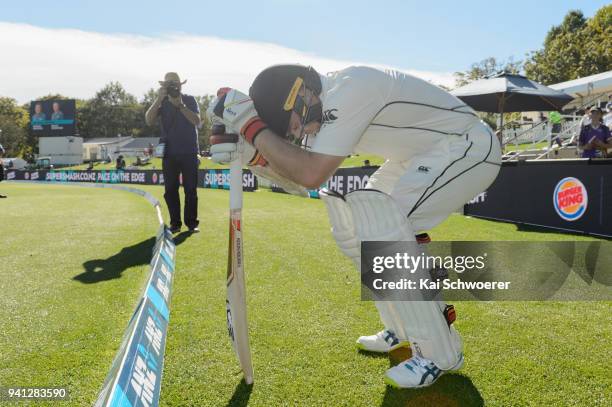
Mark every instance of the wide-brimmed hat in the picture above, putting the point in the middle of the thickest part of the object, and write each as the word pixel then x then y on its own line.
pixel 171 77
pixel 596 109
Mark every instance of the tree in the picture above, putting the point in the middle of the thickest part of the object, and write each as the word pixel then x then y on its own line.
pixel 112 112
pixel 483 69
pixel 576 48
pixel 13 125
pixel 597 51
pixel 147 100
pixel 204 131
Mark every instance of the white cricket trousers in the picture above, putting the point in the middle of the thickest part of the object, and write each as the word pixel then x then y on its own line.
pixel 429 187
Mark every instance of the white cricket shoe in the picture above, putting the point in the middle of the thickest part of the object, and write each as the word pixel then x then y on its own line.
pixel 416 372
pixel 383 342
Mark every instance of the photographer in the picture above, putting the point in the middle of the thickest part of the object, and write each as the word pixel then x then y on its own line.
pixel 180 117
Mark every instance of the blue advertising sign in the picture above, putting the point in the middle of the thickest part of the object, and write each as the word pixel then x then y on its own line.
pixel 136 373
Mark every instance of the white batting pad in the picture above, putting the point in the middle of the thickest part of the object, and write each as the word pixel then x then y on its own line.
pixel 377 217
pixel 342 228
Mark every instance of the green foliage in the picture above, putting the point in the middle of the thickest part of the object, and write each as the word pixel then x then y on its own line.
pixel 147 100
pixel 204 131
pixel 13 125
pixel 485 68
pixel 576 48
pixel 112 112
pixel 304 309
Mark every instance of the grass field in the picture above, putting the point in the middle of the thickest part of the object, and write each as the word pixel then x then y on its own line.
pixel 525 146
pixel 205 162
pixel 73 261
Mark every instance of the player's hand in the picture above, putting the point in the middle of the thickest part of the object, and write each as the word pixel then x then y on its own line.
pixel 176 101
pixel 226 148
pixel 237 111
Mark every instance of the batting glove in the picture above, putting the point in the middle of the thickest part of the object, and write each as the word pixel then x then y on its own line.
pixel 226 148
pixel 237 111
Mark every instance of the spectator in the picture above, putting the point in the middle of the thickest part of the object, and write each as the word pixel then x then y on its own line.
pixel 586 118
pixel 595 137
pixel 607 119
pixel 609 104
pixel 179 117
pixel 555 119
pixel 120 165
pixel 1 167
pixel 542 117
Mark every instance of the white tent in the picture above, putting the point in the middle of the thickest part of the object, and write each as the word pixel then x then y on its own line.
pixel 590 89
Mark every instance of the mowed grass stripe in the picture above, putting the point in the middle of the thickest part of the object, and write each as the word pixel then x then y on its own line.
pixel 305 314
pixel 57 330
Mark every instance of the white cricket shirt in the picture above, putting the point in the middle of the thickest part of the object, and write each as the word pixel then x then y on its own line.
pixel 387 113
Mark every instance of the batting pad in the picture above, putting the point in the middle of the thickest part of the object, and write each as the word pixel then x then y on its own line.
pixel 342 227
pixel 377 217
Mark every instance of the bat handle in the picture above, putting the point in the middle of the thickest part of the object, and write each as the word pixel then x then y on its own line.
pixel 236 184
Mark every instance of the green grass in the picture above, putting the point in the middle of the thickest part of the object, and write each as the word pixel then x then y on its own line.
pixel 357 160
pixel 303 303
pixel 154 164
pixel 526 146
pixel 205 162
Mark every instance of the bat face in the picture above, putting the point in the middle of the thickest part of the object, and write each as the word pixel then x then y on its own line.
pixel 234 264
pixel 236 312
pixel 234 258
pixel 230 323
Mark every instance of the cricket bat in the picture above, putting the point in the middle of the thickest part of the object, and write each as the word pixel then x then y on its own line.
pixel 237 324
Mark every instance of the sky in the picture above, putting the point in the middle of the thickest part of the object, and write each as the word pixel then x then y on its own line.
pixel 74 47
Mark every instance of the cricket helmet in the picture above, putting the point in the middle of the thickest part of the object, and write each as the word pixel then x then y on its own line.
pixel 275 95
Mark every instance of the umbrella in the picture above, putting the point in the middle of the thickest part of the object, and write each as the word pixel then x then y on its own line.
pixel 505 92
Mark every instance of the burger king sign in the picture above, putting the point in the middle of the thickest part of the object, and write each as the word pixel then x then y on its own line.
pixel 570 199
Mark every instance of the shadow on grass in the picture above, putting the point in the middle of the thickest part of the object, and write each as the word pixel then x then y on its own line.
pixel 451 390
pixel 139 254
pixel 241 396
pixel 374 355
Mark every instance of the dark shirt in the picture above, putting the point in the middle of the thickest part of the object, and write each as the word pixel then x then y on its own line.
pixel 180 135
pixel 587 133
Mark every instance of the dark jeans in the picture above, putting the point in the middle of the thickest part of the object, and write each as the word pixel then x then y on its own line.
pixel 173 166
pixel 556 128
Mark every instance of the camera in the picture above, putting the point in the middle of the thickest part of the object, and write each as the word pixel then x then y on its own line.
pixel 173 90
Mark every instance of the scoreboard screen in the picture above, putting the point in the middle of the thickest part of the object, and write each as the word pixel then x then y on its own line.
pixel 53 117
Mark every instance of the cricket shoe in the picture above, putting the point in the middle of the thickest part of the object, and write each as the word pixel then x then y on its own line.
pixel 416 372
pixel 383 342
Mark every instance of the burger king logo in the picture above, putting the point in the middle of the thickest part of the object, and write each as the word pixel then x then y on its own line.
pixel 570 199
